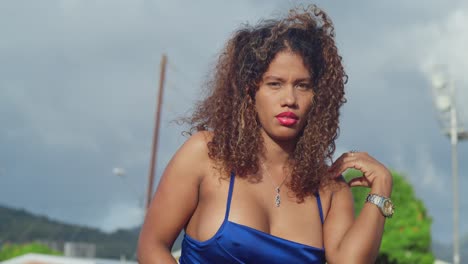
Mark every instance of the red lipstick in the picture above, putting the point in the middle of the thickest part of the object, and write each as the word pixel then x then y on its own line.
pixel 287 118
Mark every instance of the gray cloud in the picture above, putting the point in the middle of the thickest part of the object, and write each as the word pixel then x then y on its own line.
pixel 78 85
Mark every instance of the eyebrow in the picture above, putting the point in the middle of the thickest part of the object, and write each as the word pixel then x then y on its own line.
pixel 272 77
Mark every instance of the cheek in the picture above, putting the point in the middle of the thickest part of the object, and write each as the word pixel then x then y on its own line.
pixel 307 103
pixel 260 103
pixel 257 105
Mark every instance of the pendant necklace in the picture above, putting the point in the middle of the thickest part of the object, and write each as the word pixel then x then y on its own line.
pixel 277 188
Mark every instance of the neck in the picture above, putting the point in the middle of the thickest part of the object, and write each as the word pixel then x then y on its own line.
pixel 276 153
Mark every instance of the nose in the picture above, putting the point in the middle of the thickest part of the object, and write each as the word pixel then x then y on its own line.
pixel 289 97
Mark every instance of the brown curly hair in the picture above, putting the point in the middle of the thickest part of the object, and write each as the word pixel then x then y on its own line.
pixel 229 112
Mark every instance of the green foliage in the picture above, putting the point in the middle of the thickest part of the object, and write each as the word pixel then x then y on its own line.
pixel 19 226
pixel 407 236
pixel 9 251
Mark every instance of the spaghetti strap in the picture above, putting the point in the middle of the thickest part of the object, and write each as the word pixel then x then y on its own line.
pixel 319 204
pixel 256 246
pixel 228 204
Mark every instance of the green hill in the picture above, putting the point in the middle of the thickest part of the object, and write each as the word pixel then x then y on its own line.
pixel 20 226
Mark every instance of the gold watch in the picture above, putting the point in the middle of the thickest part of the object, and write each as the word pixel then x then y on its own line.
pixel 383 203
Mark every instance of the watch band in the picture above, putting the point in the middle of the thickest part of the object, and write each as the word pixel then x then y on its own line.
pixel 375 199
pixel 383 203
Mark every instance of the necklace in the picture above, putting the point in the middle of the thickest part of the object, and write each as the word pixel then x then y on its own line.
pixel 277 188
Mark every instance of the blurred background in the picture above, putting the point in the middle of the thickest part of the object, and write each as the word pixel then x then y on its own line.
pixel 78 92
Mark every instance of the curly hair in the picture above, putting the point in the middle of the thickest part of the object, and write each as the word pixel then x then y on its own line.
pixel 229 109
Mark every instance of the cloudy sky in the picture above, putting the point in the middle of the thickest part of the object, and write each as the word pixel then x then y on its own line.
pixel 78 84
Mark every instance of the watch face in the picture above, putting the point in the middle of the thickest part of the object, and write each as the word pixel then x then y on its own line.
pixel 388 208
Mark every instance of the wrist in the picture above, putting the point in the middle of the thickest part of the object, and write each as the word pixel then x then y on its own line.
pixel 383 186
pixel 386 206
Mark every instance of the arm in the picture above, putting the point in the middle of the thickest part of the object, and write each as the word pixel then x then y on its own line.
pixel 174 202
pixel 349 240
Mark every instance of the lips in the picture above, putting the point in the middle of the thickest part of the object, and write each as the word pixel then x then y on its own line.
pixel 287 118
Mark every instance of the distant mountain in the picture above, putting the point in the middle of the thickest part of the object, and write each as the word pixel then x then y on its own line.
pixel 445 251
pixel 20 226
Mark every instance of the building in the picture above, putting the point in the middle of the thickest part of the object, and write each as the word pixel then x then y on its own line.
pixel 33 258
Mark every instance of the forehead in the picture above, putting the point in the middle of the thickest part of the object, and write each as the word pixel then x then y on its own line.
pixel 287 64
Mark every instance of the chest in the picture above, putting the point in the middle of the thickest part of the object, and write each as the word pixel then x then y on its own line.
pixel 253 205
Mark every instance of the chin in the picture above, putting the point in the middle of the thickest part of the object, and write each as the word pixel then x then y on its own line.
pixel 292 135
pixel 283 133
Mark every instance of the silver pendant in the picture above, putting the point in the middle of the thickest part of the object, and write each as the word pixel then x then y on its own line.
pixel 277 197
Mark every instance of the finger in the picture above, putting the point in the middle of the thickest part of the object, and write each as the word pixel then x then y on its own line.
pixel 340 160
pixel 346 163
pixel 359 181
pixel 339 167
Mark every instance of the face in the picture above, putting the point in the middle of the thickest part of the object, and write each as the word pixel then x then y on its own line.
pixel 284 97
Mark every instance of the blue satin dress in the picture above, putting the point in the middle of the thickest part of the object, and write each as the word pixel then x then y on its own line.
pixel 236 243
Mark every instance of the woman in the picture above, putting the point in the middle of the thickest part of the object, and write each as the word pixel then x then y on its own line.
pixel 255 183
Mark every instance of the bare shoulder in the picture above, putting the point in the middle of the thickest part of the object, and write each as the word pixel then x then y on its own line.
pixel 333 192
pixel 198 142
pixel 340 192
pixel 334 186
pixel 176 197
pixel 193 155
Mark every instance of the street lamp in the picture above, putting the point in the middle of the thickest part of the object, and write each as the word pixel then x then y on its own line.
pixel 443 92
pixel 118 172
pixel 121 173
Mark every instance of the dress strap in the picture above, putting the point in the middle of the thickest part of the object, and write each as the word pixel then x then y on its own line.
pixel 319 204
pixel 228 205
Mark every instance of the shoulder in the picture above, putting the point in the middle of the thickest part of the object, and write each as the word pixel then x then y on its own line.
pixel 334 193
pixel 196 146
pixel 199 140
pixel 334 186
pixel 192 156
pixel 341 193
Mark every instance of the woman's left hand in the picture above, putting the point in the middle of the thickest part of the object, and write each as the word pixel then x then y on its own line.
pixel 375 174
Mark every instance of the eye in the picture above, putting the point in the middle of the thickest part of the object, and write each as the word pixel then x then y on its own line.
pixel 304 86
pixel 274 84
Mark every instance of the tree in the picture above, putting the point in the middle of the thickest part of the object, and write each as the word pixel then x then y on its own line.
pixel 9 251
pixel 407 236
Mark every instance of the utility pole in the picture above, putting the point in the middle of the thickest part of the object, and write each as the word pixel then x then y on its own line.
pixel 154 149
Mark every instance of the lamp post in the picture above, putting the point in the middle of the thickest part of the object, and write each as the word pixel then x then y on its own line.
pixel 121 173
pixel 443 91
pixel 118 172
